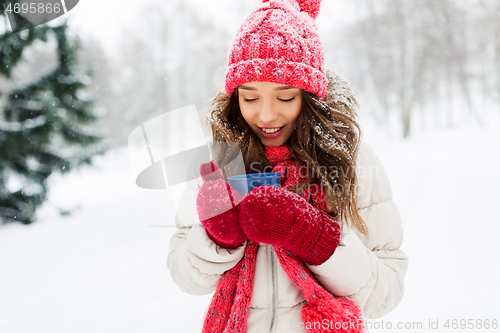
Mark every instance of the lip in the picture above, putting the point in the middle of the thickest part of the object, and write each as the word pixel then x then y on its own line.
pixel 270 135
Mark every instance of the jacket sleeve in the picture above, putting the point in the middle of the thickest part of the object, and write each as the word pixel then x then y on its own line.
pixel 369 270
pixel 195 262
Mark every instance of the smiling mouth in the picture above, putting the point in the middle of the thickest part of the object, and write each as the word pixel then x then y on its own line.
pixel 270 130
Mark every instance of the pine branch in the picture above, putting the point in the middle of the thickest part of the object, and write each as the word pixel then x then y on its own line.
pixel 23 125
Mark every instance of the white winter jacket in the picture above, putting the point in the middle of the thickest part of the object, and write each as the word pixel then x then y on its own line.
pixel 369 271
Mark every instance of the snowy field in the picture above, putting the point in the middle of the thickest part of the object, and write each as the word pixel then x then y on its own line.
pixel 103 267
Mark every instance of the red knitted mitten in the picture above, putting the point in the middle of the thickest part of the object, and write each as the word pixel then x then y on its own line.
pixel 276 216
pixel 217 208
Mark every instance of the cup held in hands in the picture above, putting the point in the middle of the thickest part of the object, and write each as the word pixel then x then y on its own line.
pixel 245 183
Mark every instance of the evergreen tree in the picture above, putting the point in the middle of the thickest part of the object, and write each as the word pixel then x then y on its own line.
pixel 45 125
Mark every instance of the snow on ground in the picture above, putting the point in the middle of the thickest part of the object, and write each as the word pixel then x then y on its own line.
pixel 446 186
pixel 103 268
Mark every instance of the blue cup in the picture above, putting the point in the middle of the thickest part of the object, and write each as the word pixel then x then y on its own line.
pixel 245 183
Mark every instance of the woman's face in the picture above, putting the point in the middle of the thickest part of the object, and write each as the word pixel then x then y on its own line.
pixel 269 106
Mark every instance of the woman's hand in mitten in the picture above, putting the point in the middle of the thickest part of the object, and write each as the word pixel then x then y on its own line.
pixel 276 216
pixel 217 208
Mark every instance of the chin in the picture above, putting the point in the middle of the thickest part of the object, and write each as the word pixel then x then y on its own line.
pixel 271 142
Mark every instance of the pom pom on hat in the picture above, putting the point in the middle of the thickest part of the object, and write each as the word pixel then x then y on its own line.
pixel 311 7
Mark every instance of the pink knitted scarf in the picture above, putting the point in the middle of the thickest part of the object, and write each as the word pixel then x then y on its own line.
pixel 228 311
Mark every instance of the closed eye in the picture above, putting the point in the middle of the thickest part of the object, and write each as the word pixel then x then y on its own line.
pixel 283 100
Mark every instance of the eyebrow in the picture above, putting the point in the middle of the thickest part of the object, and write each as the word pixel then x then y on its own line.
pixel 278 88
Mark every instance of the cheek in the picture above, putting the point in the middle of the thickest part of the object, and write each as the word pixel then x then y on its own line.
pixel 244 113
pixel 247 113
pixel 295 113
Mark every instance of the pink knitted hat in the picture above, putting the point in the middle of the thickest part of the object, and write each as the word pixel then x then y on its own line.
pixel 279 43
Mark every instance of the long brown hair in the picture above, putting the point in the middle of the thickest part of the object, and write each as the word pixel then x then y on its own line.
pixel 326 139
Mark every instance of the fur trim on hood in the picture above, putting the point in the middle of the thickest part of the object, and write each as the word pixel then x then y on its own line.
pixel 341 94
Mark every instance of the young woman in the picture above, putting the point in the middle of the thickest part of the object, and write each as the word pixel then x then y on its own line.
pixel 319 253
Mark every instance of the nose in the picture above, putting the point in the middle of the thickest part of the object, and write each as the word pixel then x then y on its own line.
pixel 267 114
